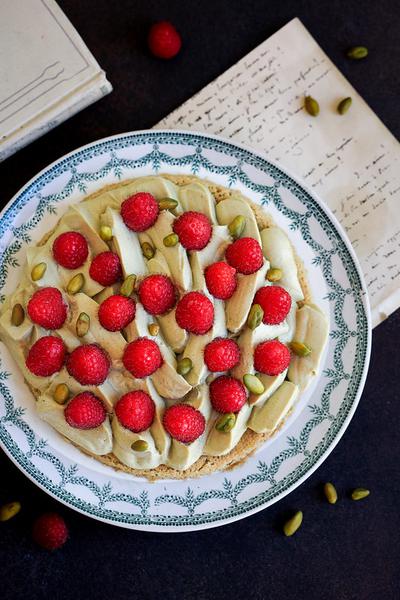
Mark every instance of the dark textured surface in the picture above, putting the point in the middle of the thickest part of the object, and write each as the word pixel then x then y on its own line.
pixel 348 551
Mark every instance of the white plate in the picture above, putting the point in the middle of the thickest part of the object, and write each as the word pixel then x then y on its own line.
pixel 323 412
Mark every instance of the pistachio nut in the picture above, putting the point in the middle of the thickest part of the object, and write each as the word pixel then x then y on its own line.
pixel 253 384
pixel 255 317
pixel 38 271
pixel 147 250
pixel 167 204
pixel 170 240
pixel 311 106
pixel 184 366
pixel 153 329
pixel 299 348
pixel 344 105
pixel 274 275
pixel 357 52
pixel 61 393
pixel 8 511
pixel 236 227
pixel 76 284
pixel 330 493
pixel 128 285
pixel 359 493
pixel 82 324
pixel 106 233
pixel 140 446
pixel 17 315
pixel 226 422
pixel 293 524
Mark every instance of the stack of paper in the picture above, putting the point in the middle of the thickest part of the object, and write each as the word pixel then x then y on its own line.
pixel 47 74
pixel 352 161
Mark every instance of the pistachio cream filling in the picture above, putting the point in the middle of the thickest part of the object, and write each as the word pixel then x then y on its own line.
pixel 183 375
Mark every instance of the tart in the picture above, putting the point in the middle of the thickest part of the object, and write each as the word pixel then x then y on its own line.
pixel 165 326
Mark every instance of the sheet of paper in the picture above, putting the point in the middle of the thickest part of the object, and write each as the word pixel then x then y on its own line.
pixel 352 161
pixel 46 71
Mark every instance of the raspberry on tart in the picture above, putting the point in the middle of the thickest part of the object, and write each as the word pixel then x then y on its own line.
pixel 164 41
pixel 275 302
pixel 271 357
pixel 116 312
pixel 140 211
pixel 47 308
pixel 195 313
pixel 88 364
pixel 50 531
pixel 221 280
pixel 142 357
pixel 135 411
pixel 70 250
pixel 245 255
pixel 184 423
pixel 85 411
pixel 157 294
pixel 222 354
pixel 193 229
pixel 46 356
pixel 106 268
pixel 227 394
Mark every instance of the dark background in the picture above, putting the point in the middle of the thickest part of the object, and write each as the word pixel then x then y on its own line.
pixel 348 551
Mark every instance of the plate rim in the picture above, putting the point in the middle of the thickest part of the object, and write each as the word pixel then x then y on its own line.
pixel 366 305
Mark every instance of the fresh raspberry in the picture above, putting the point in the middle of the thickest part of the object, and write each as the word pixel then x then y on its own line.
pixel 88 364
pixel 70 250
pixel 47 308
pixel 50 531
pixel 195 313
pixel 157 294
pixel 221 280
pixel 275 302
pixel 271 357
pixel 135 411
pixel 46 356
pixel 139 211
pixel 142 357
pixel 116 312
pixel 245 254
pixel 106 268
pixel 85 411
pixel 184 423
pixel 164 41
pixel 221 354
pixel 227 394
pixel 193 229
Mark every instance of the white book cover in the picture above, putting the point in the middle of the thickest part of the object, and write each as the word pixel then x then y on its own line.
pixel 352 161
pixel 47 73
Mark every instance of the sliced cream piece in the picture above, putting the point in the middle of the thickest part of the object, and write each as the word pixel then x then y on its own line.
pixel 249 339
pixel 279 252
pixel 227 210
pixel 220 442
pixel 238 306
pixel 270 383
pixel 97 441
pixel 312 329
pixel 175 256
pixel 213 252
pixel 266 418
pixel 174 336
pixel 156 186
pixel 197 197
pixel 288 335
pixel 182 456
pixel 167 381
pixel 105 391
pixel 157 439
pixel 112 341
pixel 125 243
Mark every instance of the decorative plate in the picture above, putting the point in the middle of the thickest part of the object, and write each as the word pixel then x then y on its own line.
pixel 323 412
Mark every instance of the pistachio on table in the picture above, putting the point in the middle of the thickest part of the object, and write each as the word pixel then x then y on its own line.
pixel 293 524
pixel 330 493
pixel 357 52
pixel 344 105
pixel 311 106
pixel 8 511
pixel 359 493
